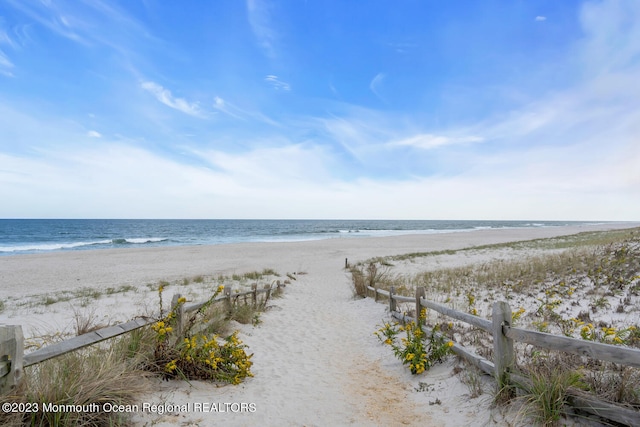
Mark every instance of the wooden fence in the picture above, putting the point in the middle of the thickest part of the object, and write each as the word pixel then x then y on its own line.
pixel 503 366
pixel 13 360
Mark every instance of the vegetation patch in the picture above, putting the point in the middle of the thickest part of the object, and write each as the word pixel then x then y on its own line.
pixel 419 351
pixel 585 286
pixel 115 372
pixel 189 355
pixel 75 387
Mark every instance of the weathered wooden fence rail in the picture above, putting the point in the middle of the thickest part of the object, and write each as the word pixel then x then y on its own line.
pixel 503 366
pixel 13 360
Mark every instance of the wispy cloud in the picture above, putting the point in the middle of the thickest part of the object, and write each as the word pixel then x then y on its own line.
pixel 402 47
pixel 94 134
pixel 612 36
pixel 375 84
pixel 276 83
pixel 288 165
pixel 86 23
pixel 52 16
pixel 223 106
pixel 232 110
pixel 430 141
pixel 6 66
pixel 164 95
pixel 260 20
pixel 540 18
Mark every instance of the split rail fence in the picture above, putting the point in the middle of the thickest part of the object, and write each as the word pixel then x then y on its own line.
pixel 504 335
pixel 13 360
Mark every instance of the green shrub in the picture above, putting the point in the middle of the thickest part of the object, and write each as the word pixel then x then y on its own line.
pixel 417 351
pixel 198 356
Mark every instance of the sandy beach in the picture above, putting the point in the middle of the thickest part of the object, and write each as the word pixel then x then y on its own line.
pixel 316 360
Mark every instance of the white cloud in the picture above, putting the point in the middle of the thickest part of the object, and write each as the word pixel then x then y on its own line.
pixel 259 17
pixel 541 18
pixel 51 16
pixel 298 181
pixel 5 39
pixel 224 107
pixel 375 84
pixel 164 95
pixel 5 65
pixel 612 39
pixel 429 141
pixel 288 165
pixel 236 112
pixel 94 134
pixel 276 83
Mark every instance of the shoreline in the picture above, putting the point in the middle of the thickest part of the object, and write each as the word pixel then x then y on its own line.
pixel 136 240
pixel 50 272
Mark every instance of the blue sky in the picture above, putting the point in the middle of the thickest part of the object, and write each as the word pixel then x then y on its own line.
pixel 500 109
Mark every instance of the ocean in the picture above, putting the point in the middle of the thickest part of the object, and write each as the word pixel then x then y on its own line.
pixel 25 236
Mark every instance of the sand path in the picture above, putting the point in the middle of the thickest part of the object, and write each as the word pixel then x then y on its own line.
pixel 311 363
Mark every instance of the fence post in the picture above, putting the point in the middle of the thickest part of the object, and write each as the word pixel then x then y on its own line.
pixel 375 293
pixel 254 295
pixel 503 348
pixel 179 310
pixel 11 353
pixel 392 302
pixel 266 295
pixel 227 293
pixel 419 294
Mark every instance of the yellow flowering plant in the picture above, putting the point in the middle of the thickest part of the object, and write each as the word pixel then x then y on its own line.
pixel 415 350
pixel 471 303
pixel 517 315
pixel 199 356
pixel 210 358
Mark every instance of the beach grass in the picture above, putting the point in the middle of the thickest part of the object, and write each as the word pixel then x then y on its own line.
pixel 115 372
pixel 585 286
pixel 75 387
pixel 546 396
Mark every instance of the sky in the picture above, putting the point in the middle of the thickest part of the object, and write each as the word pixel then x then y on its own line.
pixel 320 109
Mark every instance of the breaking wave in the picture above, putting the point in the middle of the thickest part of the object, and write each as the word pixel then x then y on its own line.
pixel 42 247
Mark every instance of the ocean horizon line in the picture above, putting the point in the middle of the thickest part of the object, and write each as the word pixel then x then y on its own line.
pixel 25 236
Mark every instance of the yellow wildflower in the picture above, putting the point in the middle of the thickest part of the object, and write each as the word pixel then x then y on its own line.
pixel 171 366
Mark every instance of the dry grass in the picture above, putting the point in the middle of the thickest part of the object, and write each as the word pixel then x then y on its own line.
pixel 567 284
pixel 86 321
pixel 113 372
pixel 545 395
pixel 89 379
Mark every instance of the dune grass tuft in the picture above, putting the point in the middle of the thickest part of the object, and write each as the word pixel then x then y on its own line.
pixel 78 385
